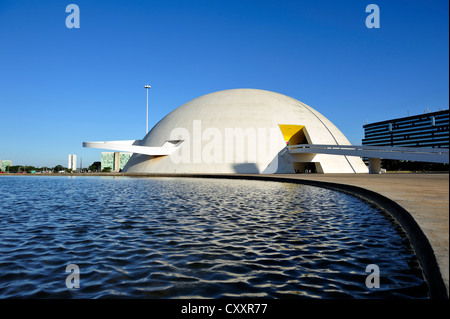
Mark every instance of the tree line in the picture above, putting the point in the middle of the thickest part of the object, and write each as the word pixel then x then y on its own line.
pixel 95 167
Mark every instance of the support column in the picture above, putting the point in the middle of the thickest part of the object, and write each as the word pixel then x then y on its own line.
pixel 116 162
pixel 374 165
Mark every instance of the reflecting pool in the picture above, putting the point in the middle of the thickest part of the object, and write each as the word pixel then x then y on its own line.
pixel 196 238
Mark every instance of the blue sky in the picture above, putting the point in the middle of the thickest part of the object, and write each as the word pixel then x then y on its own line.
pixel 60 87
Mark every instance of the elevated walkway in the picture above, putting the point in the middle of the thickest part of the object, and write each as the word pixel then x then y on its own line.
pixel 376 153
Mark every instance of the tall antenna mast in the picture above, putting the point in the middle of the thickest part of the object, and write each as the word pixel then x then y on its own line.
pixel 146 127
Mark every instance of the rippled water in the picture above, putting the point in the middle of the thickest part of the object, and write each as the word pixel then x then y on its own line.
pixel 180 237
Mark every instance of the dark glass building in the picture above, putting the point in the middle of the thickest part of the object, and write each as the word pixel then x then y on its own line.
pixel 425 130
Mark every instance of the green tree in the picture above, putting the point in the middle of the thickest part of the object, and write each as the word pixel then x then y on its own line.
pixel 106 170
pixel 58 168
pixel 95 167
pixel 28 169
pixel 14 169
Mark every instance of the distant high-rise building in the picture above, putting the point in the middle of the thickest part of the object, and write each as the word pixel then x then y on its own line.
pixel 72 162
pixel 4 164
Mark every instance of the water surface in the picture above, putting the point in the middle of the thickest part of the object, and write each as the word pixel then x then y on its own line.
pixel 196 238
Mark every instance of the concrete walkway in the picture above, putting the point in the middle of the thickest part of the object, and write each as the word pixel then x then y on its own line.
pixel 424 196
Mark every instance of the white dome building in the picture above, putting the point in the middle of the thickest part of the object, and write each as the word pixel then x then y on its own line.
pixel 237 131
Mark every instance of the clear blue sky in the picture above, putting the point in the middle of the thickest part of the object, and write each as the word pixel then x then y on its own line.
pixel 60 87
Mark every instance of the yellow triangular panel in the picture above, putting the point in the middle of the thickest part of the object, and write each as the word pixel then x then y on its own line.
pixel 292 133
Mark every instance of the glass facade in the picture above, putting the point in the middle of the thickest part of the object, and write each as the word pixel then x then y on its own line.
pixel 426 130
pixel 4 164
pixel 114 160
pixel 107 160
pixel 124 157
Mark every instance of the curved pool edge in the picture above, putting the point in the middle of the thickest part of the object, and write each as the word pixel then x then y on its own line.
pixel 419 241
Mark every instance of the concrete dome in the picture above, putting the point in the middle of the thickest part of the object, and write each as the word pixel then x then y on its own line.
pixel 242 131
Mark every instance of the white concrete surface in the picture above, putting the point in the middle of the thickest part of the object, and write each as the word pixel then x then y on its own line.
pixel 236 131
